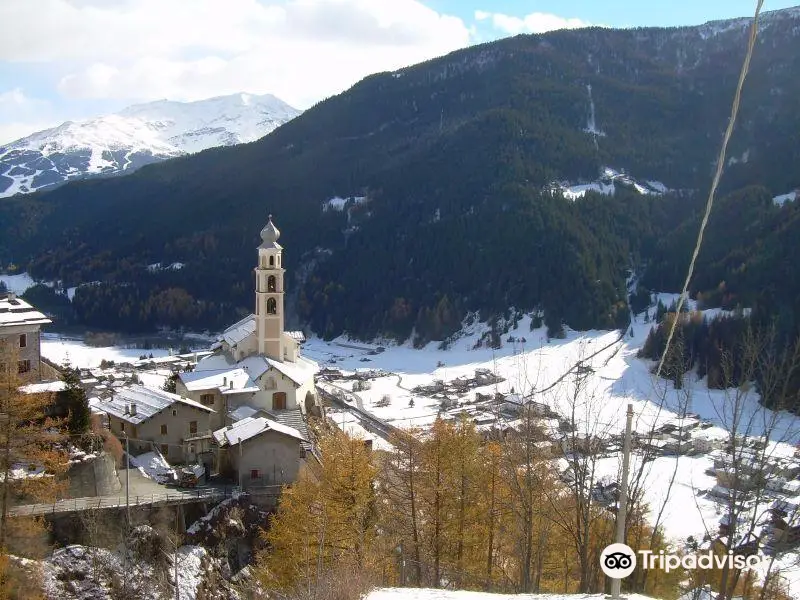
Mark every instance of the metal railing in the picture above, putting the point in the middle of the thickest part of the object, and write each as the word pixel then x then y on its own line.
pixel 101 502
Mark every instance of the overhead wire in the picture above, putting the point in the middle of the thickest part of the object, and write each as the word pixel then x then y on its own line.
pixel 715 182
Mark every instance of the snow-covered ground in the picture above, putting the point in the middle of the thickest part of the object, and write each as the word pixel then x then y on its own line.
pixel 18 283
pixel 616 378
pixel 606 184
pixel 79 355
pixel 530 363
pixel 154 466
pixel 427 594
pixel 783 198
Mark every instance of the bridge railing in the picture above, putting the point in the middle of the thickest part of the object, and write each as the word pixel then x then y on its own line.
pixel 99 502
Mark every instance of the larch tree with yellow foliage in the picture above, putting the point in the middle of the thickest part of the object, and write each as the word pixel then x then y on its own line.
pixel 32 462
pixel 325 524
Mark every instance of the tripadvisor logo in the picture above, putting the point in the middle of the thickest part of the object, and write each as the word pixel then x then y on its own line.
pixel 618 561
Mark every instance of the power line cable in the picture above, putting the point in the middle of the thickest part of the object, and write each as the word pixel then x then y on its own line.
pixel 717 175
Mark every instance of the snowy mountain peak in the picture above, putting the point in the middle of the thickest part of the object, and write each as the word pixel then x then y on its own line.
pixel 135 136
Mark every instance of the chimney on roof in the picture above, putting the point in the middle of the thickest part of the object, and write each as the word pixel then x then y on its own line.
pixel 133 409
pixel 231 384
pixel 224 380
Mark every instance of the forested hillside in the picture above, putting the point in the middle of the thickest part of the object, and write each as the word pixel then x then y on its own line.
pixel 454 157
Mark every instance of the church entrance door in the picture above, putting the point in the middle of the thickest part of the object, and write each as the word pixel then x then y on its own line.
pixel 279 401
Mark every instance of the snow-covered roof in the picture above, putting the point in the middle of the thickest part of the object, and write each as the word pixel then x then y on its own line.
pixel 137 403
pixel 15 311
pixel 299 372
pixel 227 381
pixel 240 331
pixel 250 427
pixel 243 412
pixel 215 361
pixel 297 336
pixel 255 366
pixel 44 387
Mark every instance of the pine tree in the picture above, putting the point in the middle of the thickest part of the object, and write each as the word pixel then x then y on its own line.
pixel 73 397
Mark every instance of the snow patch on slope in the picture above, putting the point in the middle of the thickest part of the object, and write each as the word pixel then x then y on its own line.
pixel 338 203
pixel 606 184
pixel 784 198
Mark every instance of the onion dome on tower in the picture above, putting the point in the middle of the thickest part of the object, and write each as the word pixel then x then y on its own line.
pixel 270 235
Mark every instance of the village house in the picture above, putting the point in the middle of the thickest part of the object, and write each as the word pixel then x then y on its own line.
pixel 259 451
pixel 515 405
pixel 153 419
pixel 20 331
pixel 219 389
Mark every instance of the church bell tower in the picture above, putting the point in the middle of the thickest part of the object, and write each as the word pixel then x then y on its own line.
pixel 269 294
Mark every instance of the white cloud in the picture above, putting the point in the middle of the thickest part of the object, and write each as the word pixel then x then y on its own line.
pixel 300 50
pixel 536 22
pixel 21 115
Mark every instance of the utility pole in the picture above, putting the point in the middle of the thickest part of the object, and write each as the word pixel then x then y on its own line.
pixel 177 529
pixel 622 507
pixel 127 479
pixel 241 477
pixel 125 575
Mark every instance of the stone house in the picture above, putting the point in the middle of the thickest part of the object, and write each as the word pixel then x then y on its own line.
pixel 178 427
pixel 20 331
pixel 260 451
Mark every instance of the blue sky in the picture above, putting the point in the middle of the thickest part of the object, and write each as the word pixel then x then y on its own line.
pixel 617 13
pixel 74 59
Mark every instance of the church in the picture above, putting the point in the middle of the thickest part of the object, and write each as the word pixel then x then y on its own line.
pixel 256 368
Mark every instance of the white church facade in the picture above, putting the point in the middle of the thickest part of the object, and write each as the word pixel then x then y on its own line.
pixel 257 368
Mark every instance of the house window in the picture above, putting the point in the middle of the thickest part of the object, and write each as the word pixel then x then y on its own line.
pixel 174 412
pixel 23 340
pixel 24 366
pixel 192 427
pixel 271 285
pixel 272 306
pixel 255 474
pixel 164 449
pixel 207 399
pixel 279 401
pixel 163 430
pixel 270 384
pixel 122 426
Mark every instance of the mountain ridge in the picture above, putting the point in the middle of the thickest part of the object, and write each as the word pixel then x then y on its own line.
pixel 456 158
pixel 137 135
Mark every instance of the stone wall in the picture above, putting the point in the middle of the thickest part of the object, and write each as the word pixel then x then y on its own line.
pixel 94 477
